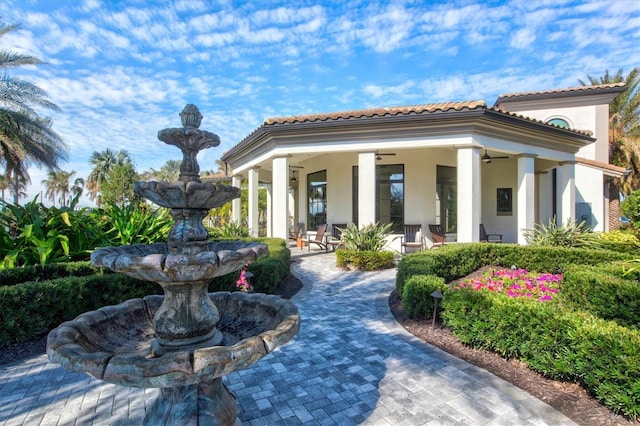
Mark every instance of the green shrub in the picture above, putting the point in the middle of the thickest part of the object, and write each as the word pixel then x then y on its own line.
pixel 571 234
pixel 416 295
pixel 601 355
pixel 619 240
pixel 372 237
pixel 604 292
pixel 230 229
pixel 630 207
pixel 46 272
pixel 364 260
pixel 457 260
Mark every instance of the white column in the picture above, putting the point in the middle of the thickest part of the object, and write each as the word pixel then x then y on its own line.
pixel 469 195
pixel 236 204
pixel 545 197
pixel 566 193
pixel 526 209
pixel 253 203
pixel 366 188
pixel 280 219
pixel 269 213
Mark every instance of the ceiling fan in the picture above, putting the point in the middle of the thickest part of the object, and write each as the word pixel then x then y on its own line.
pixel 379 155
pixel 294 178
pixel 486 158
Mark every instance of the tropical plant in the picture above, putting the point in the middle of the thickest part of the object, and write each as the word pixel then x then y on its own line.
pixel 25 136
pixel 4 185
pixel 169 172
pixel 372 237
pixel 58 186
pixel 103 162
pixel 230 229
pixel 571 234
pixel 118 187
pixel 141 224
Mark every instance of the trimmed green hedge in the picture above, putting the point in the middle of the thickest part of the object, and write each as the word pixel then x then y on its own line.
pixel 588 334
pixel 416 295
pixel 30 309
pixel 364 260
pixel 567 345
pixel 603 291
pixel 46 272
pixel 457 260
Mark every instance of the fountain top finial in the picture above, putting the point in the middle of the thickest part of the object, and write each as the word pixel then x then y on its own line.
pixel 190 116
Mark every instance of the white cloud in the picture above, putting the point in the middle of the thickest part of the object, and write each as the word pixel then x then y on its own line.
pixel 523 38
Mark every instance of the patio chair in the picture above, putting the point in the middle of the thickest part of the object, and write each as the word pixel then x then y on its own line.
pixel 438 236
pixel 335 240
pixel 297 231
pixel 412 238
pixel 489 238
pixel 318 238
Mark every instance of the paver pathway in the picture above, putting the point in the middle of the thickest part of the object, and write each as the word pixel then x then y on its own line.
pixel 350 364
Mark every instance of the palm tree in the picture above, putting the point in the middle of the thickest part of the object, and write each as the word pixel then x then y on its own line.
pixel 103 162
pixel 169 172
pixel 624 133
pixel 58 184
pixel 4 185
pixel 25 137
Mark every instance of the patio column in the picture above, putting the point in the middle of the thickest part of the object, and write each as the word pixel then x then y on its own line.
pixel 253 203
pixel 366 188
pixel 526 195
pixel 469 194
pixel 236 204
pixel 280 218
pixel 545 197
pixel 269 215
pixel 566 178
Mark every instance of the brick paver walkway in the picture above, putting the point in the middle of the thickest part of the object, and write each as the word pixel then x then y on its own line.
pixel 350 364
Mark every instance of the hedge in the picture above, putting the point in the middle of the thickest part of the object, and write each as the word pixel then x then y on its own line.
pixel 416 295
pixel 457 260
pixel 364 260
pixel 567 345
pixel 30 309
pixel 47 272
pixel 588 334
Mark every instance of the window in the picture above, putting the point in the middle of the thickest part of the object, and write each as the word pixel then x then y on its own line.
pixel 561 122
pixel 389 195
pixel 446 198
pixel 504 201
pixel 317 199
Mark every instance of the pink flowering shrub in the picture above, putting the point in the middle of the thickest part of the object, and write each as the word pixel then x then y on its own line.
pixel 516 283
pixel 243 283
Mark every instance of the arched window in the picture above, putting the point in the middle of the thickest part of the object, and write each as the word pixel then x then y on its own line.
pixel 560 122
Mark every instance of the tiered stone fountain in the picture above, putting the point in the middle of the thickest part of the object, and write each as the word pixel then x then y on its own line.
pixel 185 341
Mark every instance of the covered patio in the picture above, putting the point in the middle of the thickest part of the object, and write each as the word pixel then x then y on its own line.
pixel 458 164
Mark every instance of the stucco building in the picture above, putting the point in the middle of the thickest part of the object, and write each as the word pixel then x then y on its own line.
pixel 529 157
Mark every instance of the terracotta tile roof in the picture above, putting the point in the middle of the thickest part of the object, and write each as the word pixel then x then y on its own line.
pixel 377 112
pixel 609 169
pixel 535 120
pixel 596 88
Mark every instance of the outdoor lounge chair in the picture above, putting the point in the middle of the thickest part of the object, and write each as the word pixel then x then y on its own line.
pixel 489 238
pixel 412 238
pixel 438 236
pixel 335 240
pixel 297 231
pixel 317 238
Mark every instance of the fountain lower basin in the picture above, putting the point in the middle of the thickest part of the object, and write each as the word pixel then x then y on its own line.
pixel 114 343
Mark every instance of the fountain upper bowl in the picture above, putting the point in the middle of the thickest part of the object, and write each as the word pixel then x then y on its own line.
pixel 183 195
pixel 156 262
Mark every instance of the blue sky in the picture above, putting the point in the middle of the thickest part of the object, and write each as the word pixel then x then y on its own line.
pixel 122 70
